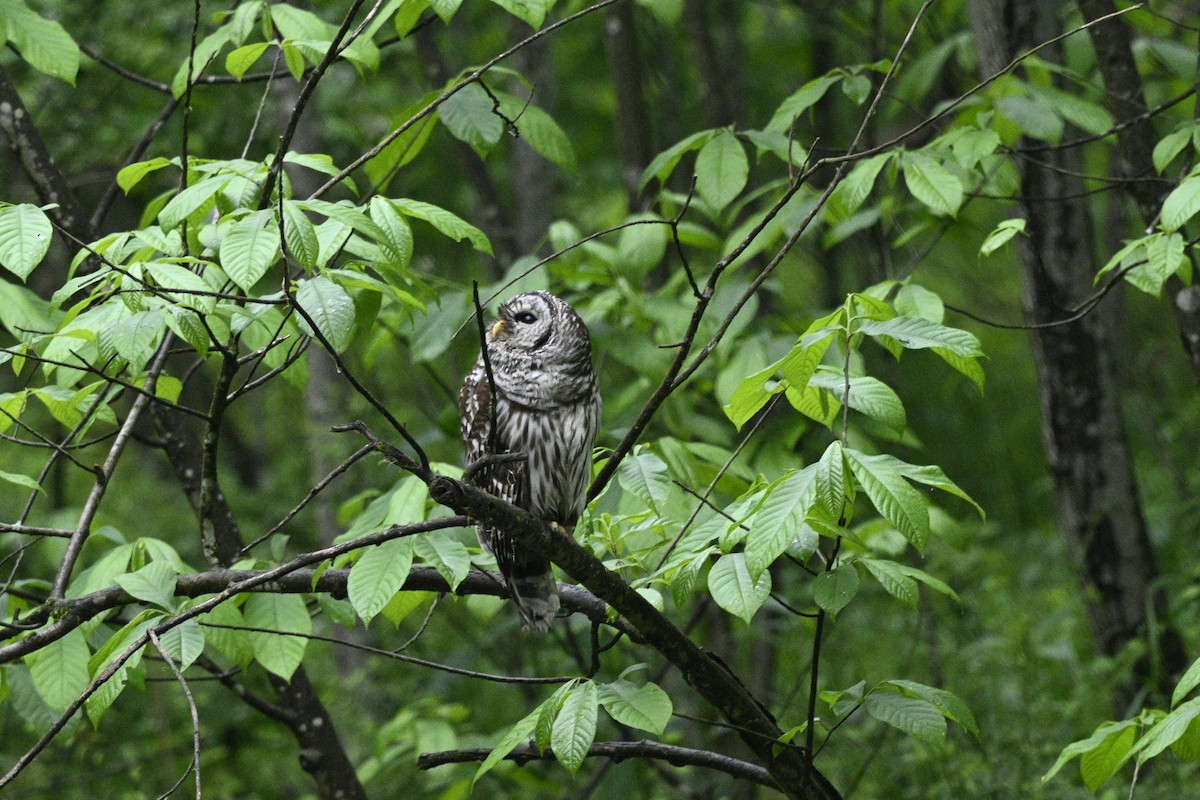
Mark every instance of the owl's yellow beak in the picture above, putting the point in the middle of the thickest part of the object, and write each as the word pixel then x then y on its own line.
pixel 498 328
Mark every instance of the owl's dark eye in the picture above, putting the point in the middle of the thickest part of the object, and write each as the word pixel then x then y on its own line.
pixel 525 317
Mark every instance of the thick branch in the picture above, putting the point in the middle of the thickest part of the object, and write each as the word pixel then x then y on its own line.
pixel 618 751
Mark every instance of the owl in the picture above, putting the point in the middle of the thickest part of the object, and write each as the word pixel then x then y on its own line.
pixel 546 409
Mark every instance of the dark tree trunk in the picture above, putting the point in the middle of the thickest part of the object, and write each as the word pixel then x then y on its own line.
pixel 633 118
pixel 1084 437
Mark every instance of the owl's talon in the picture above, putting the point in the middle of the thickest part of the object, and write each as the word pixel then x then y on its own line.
pixel 490 460
pixel 557 528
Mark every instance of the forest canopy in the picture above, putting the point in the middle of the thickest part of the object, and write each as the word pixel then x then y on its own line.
pixel 892 311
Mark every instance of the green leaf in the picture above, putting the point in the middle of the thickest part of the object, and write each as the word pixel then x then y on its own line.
pixel 44 44
pixel 898 502
pixel 238 62
pixel 721 170
pixel 220 626
pixel 405 147
pixel 854 189
pixel 153 583
pixel 575 726
pixel 1172 145
pixel 645 707
pixel 1034 115
pixel 278 653
pixel 1100 738
pixel 1167 730
pixel 182 285
pixel 300 235
pixel 184 642
pixel 250 248
pixel 190 200
pixel 131 176
pixel 399 238
pixel 60 670
pixel 377 575
pixel 931 475
pixel 533 12
pixel 950 706
pixel 833 590
pixel 640 248
pixel 517 734
pixel 1181 204
pixel 800 101
pixel 25 233
pixel 449 556
pixel 914 333
pixel 329 308
pixel 867 395
pixel 1000 235
pixel 645 476
pixel 1102 762
pixel 916 717
pixel 893 580
pixel 470 116
pixel 730 584
pixel 446 222
pixel 663 164
pixel 774 524
pixel 445 8
pixel 13 477
pixel 1189 681
pixel 932 184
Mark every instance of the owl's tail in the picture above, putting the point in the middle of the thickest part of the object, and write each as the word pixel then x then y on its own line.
pixel 536 596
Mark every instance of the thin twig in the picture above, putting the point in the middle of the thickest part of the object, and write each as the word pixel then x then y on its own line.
pixel 191 702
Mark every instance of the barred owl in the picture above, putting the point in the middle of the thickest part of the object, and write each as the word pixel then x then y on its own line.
pixel 547 408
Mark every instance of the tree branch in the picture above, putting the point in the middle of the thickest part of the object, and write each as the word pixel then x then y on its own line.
pixel 618 751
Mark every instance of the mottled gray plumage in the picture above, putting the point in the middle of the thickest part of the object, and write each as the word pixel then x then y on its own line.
pixel 547 408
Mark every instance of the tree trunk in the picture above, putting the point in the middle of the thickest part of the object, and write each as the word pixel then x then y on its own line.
pixel 1088 455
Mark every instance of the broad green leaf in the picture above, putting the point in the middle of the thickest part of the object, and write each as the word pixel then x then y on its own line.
pixel 1102 762
pixel 800 101
pixel 184 642
pixel 575 726
pixel 44 44
pixel 750 396
pixel 645 707
pixel 931 183
pixel 916 717
pixel 867 395
pixel 1167 730
pixel 329 308
pixel 250 248
pixel 730 584
pixel 182 285
pixel 219 630
pixel 1087 115
pixel 408 145
pixel 1172 145
pixel 238 62
pixel 645 475
pixel 833 488
pixel 1100 739
pixel 1181 204
pixel 948 704
pixel 153 583
pixel 408 15
pixel 893 580
pixel 833 590
pixel 1034 115
pixel 721 170
pixel 131 176
pixel 914 333
pixel 517 734
pixel 640 248
pixel 23 481
pixel 449 556
pixel 663 164
pixel 931 475
pixel 1000 235
pixel 25 233
pixel 898 502
pixel 60 670
pixel 377 575
pixel 548 712
pixel 399 241
pixel 278 653
pixel 532 12
pixel 854 189
pixel 300 235
pixel 470 116
pixel 445 8
pixel 112 649
pixel 774 524
pixel 546 137
pixel 190 200
pixel 1189 681
pixel 446 222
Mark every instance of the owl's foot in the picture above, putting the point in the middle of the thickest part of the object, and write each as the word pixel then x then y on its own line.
pixel 558 528
pixel 490 460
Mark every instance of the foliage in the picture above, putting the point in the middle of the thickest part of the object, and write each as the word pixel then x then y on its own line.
pixel 776 385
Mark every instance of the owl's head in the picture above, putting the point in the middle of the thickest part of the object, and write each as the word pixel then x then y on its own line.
pixel 541 326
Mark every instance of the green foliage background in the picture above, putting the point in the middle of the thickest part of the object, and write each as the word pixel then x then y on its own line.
pixel 1008 636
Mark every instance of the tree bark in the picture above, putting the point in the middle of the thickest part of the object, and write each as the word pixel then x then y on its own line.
pixel 1085 443
pixel 634 139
